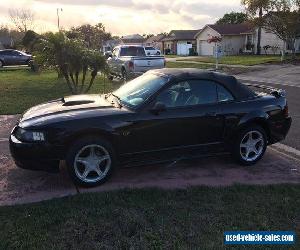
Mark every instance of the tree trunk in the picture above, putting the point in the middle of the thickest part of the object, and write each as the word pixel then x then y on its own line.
pixel 93 76
pixel 258 49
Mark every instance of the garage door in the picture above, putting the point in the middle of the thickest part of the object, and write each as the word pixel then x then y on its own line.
pixel 206 49
pixel 183 49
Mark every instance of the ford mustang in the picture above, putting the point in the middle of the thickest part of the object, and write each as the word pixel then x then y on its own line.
pixel 160 116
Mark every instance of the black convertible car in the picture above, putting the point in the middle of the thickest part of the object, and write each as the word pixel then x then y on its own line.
pixel 161 116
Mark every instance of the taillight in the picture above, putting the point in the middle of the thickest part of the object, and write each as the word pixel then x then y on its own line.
pixel 131 65
pixel 286 111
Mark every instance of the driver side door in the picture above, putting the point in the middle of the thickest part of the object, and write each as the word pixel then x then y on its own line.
pixel 190 118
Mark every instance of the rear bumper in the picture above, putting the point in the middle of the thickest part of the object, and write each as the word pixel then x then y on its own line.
pixel 279 130
pixel 35 156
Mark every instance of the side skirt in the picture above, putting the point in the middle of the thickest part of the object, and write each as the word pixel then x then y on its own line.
pixel 172 154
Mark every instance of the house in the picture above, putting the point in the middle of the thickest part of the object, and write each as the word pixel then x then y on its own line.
pixel 239 38
pixel 179 42
pixel 275 44
pixel 135 39
pixel 155 41
pixel 110 44
pixel 234 37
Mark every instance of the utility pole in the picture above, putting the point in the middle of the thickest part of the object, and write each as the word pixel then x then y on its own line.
pixel 57 13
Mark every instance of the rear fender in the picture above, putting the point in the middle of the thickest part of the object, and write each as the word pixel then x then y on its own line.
pixel 259 118
pixel 253 116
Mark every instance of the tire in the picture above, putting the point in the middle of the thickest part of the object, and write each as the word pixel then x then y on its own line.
pixel 1 64
pixel 88 168
pixel 248 150
pixel 124 75
pixel 29 63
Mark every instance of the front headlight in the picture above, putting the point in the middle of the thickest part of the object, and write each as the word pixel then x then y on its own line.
pixel 29 136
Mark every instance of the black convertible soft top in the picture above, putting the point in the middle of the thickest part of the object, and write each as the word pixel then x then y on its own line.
pixel 239 90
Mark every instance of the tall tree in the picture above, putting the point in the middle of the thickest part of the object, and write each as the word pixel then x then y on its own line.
pixel 73 60
pixel 93 36
pixel 257 8
pixel 23 19
pixel 284 21
pixel 29 39
pixel 233 18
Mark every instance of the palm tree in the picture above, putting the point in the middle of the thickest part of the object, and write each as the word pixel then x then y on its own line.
pixel 72 60
pixel 260 6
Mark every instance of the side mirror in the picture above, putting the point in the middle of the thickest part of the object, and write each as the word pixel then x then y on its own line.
pixel 158 108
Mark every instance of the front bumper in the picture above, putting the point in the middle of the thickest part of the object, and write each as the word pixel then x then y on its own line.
pixel 35 156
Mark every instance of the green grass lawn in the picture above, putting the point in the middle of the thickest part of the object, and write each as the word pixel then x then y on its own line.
pixel 171 56
pixel 247 60
pixel 188 65
pixel 21 89
pixel 195 218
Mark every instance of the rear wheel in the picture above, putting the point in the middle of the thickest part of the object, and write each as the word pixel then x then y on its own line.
pixel 250 145
pixel 90 161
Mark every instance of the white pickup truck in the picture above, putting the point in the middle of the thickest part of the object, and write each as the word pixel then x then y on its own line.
pixel 129 61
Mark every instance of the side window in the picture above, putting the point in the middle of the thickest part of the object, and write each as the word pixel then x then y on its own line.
pixel 223 94
pixel 189 93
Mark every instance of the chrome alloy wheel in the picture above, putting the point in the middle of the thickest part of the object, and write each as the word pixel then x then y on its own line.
pixel 252 146
pixel 92 163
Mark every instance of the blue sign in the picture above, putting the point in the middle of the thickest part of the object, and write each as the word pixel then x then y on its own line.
pixel 259 237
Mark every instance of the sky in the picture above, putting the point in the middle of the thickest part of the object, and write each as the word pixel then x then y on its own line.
pixel 123 17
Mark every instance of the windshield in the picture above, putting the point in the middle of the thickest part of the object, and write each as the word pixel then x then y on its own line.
pixel 132 51
pixel 137 91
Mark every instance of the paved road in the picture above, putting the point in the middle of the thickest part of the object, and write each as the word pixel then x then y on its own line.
pixel 288 78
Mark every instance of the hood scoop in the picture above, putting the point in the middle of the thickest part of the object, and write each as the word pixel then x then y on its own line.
pixel 76 100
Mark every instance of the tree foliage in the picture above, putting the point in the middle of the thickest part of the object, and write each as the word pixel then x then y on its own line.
pixel 29 39
pixel 256 10
pixel 78 65
pixel 233 18
pixel 93 36
pixel 23 19
pixel 284 21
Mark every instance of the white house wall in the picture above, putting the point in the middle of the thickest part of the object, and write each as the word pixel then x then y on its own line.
pixel 232 45
pixel 268 38
pixel 203 37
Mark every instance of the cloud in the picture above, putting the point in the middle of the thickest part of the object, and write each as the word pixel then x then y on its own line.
pixel 129 16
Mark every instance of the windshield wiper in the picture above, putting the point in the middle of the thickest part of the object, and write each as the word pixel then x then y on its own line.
pixel 118 99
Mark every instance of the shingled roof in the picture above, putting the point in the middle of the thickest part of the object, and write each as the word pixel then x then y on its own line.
pixel 181 35
pixel 156 38
pixel 231 29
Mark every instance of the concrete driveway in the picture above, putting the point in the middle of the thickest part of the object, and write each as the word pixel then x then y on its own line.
pixel 22 186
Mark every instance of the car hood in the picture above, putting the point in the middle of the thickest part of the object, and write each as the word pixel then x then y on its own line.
pixel 67 108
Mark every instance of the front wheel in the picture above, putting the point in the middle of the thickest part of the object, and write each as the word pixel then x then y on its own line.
pixel 1 64
pixel 250 145
pixel 90 161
